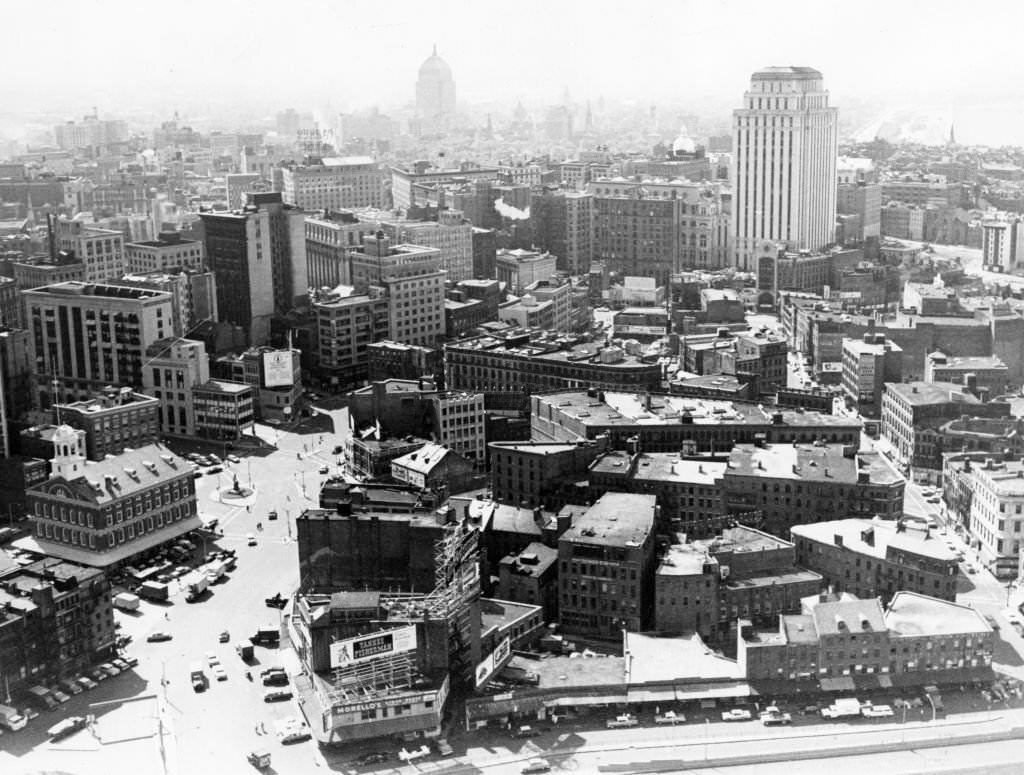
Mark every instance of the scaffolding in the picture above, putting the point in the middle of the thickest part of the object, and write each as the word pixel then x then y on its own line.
pixel 452 600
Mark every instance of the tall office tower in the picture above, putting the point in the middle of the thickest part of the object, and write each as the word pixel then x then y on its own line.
pixel 435 94
pixel 563 224
pixel 413 283
pixel 784 163
pixel 88 336
pixel 258 256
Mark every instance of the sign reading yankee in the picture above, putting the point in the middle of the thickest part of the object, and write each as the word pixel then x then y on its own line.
pixel 352 651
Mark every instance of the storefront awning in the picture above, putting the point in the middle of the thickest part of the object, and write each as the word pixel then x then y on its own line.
pixel 667 694
pixel 841 684
pixel 687 692
pixel 581 700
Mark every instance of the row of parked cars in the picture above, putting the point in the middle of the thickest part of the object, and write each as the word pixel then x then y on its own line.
pixel 50 698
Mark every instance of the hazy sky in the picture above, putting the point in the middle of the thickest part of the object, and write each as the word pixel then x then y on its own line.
pixel 64 56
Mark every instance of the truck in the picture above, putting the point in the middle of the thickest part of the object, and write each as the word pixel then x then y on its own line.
pixel 11 719
pixel 153 590
pixel 620 722
pixel 195 585
pixel 841 708
pixel 244 651
pixel 266 634
pixel 126 601
pixel 198 676
pixel 215 570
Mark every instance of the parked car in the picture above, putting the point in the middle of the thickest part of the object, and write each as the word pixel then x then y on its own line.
pixel 86 683
pixel 443 748
pixel 736 714
pixel 58 695
pixel 132 661
pixel 324 469
pixel 525 731
pixel 277 601
pixel 373 757
pixel 219 672
pixel 70 686
pixel 110 669
pixel 234 459
pixel 158 636
pixel 212 659
pixel 278 695
pixel 876 711
pixel 224 637
pixel 98 675
pixel 670 717
pixel 214 470
pixel 250 539
pixel 120 664
pixel 65 728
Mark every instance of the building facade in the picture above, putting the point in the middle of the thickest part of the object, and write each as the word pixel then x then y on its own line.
pixel 785 144
pixel 606 567
pixel 878 557
pixel 88 336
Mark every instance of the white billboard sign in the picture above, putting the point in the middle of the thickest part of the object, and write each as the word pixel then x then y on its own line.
pixel 493 662
pixel 363 648
pixel 277 369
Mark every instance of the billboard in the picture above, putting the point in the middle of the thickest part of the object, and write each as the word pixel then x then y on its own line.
pixel 277 369
pixel 493 662
pixel 363 648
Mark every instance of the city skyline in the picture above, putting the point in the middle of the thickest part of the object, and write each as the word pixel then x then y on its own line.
pixel 187 65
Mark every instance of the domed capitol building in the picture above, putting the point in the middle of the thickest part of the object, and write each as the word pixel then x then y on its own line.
pixel 435 94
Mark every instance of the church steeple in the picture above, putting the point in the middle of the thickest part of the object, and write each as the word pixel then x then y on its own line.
pixel 952 134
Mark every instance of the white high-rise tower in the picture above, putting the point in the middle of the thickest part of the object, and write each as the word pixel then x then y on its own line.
pixel 784 163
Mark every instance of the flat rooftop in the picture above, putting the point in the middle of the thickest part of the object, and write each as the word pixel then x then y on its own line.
pixel 637 409
pixel 661 467
pixel 882 534
pixel 616 519
pixel 913 614
pixel 814 462
pixel 927 393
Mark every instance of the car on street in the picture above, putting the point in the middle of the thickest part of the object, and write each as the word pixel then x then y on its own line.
pixel 193 456
pixel 250 539
pixel 224 637
pixel 277 695
pixel 324 470
pixel 525 731
pixel 292 730
pixel 110 669
pixel 338 450
pixel 219 672
pixel 272 515
pixel 196 474
pixel 121 664
pixel 214 470
pixel 212 659
pixel 86 683
pixel 970 568
pixel 158 637
pixel 373 757
pixel 277 601
pixel 443 747
pixel 65 728
pixel 215 459
pixel 234 459
pixel 98 675
pixel 276 679
pixel 58 695
pixel 30 713
pixel 536 767
pixel 736 714
pixel 670 717
pixel 132 661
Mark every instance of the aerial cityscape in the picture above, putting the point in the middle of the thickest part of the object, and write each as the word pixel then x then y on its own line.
pixel 540 412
